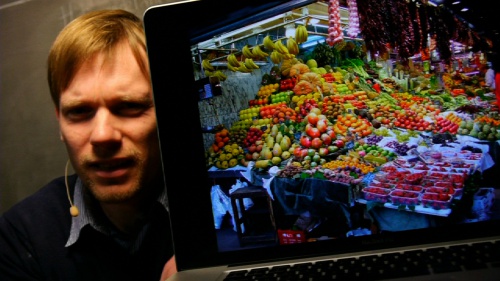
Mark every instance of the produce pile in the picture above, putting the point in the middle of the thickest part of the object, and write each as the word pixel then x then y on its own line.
pixel 339 123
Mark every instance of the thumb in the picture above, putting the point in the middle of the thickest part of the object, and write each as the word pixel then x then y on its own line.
pixel 169 269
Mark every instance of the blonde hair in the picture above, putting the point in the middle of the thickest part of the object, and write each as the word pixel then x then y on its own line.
pixel 92 33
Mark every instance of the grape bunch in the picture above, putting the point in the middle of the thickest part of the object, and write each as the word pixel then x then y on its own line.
pixel 400 148
pixel 373 139
pixel 383 131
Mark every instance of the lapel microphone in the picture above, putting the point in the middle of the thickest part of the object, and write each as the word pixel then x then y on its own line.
pixel 73 210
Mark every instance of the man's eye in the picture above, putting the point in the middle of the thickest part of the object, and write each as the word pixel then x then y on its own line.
pixel 131 109
pixel 78 113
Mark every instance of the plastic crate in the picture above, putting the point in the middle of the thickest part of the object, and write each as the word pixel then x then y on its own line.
pixel 403 197
pixel 291 236
pixel 415 178
pixel 376 194
pixel 440 190
pixel 436 201
pixel 409 187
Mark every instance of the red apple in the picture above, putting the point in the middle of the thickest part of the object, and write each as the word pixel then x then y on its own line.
pixel 312 118
pixel 316 143
pixel 297 152
pixel 327 140
pixel 304 152
pixel 332 134
pixel 312 132
pixel 259 148
pixel 322 125
pixel 305 141
pixel 252 148
pixel 339 143
pixel 323 151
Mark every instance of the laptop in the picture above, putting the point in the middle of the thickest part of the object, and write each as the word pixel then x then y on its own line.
pixel 312 222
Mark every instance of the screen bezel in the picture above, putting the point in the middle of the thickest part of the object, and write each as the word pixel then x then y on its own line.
pixel 182 147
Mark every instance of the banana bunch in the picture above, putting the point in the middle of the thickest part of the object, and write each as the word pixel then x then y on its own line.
pixel 292 46
pixel 246 66
pixel 232 63
pixel 250 64
pixel 301 34
pixel 276 57
pixel 243 68
pixel 247 52
pixel 207 65
pixel 268 43
pixel 258 53
pixel 280 47
pixel 232 68
pixel 219 74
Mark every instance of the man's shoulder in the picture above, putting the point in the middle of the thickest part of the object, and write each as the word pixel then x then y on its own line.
pixel 47 205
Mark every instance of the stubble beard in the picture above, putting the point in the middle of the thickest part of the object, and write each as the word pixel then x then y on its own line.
pixel 115 192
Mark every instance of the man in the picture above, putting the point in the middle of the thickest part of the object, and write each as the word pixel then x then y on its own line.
pixel 99 81
pixel 489 76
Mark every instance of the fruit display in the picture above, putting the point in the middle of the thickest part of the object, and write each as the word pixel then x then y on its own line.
pixel 316 116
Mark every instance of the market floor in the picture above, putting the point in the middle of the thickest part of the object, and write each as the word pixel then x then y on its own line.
pixel 227 239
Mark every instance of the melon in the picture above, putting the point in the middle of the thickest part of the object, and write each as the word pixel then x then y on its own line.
pixel 312 63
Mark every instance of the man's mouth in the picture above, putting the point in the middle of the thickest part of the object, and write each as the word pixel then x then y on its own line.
pixel 111 169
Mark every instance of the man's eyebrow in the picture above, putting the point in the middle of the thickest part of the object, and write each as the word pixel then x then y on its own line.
pixel 72 103
pixel 143 99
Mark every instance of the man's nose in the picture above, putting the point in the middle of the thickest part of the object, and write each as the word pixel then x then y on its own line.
pixel 105 129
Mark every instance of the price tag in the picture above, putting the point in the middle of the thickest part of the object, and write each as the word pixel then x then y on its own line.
pixel 350 145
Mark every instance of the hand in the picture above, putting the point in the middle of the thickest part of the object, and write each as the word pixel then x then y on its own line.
pixel 169 269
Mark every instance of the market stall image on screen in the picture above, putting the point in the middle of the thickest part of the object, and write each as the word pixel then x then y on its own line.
pixel 323 133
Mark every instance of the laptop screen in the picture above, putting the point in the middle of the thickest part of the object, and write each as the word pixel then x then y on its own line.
pixel 277 140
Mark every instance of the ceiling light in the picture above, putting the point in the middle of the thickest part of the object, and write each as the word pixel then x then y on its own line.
pixel 290 30
pixel 464 10
pixel 455 3
pixel 313 21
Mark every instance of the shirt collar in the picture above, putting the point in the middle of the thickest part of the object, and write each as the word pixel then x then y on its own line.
pixel 87 217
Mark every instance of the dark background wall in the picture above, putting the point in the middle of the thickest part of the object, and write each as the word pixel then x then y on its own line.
pixel 31 153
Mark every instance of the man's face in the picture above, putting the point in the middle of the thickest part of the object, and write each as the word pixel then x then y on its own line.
pixel 108 123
